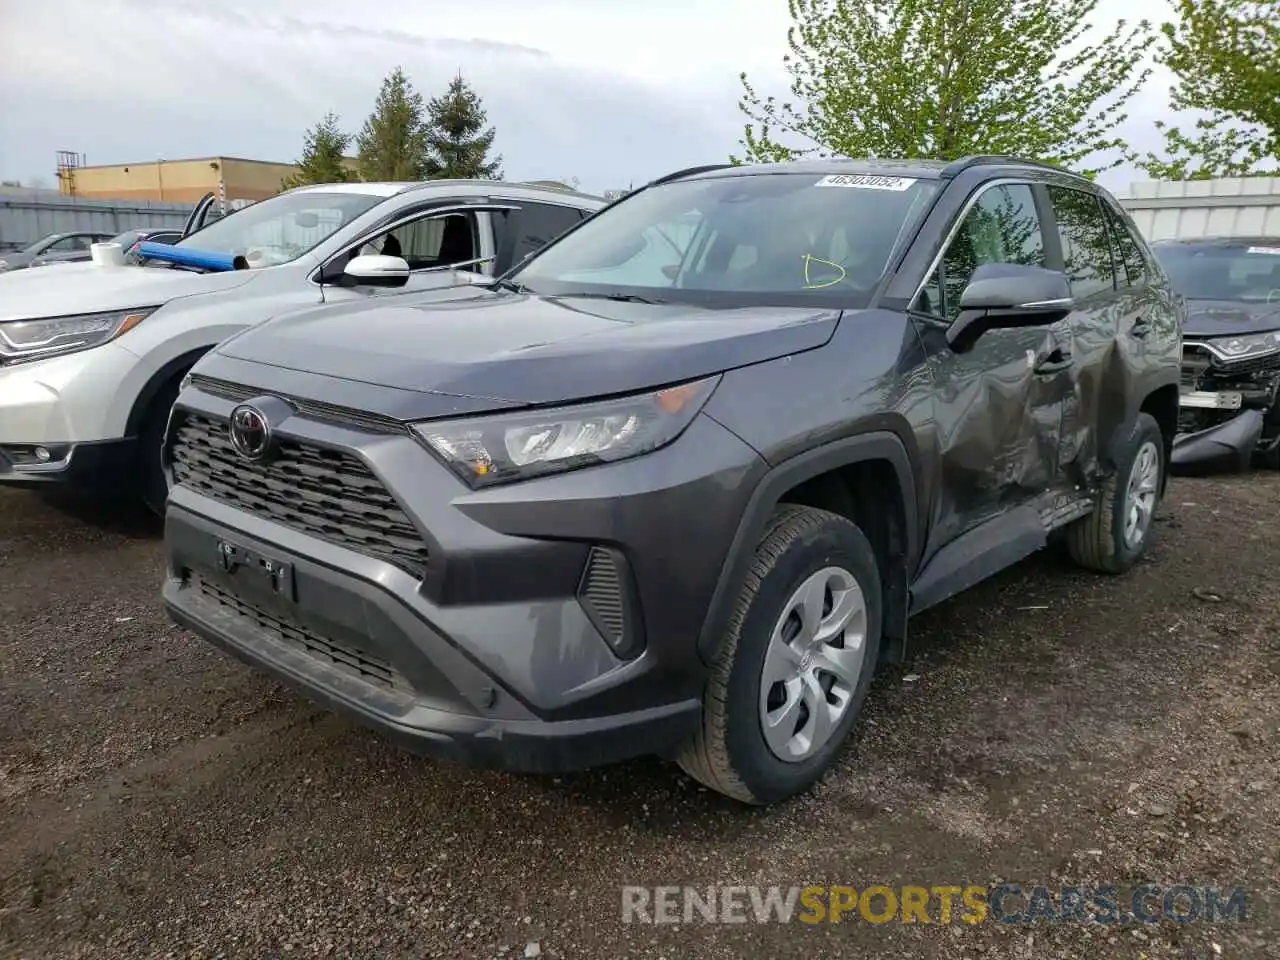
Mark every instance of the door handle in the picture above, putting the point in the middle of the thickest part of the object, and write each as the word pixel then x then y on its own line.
pixel 1055 362
pixel 1141 327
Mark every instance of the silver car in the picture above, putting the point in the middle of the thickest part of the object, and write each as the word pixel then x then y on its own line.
pixel 91 354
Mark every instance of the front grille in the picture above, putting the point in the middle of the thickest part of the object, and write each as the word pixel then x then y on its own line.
pixel 1197 356
pixel 350 660
pixel 325 493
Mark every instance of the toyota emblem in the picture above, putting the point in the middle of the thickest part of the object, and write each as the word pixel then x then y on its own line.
pixel 250 432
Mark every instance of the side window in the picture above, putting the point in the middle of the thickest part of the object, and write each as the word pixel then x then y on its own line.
pixel 431 241
pixel 65 245
pixel 1086 244
pixel 539 224
pixel 1002 227
pixel 1128 250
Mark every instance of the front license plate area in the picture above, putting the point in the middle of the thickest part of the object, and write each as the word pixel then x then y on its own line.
pixel 256 571
pixel 1206 400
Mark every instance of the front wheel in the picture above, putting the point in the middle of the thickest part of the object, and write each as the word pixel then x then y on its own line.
pixel 1115 536
pixel 793 669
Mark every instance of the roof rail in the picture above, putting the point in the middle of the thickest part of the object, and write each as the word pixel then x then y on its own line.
pixel 689 172
pixel 964 163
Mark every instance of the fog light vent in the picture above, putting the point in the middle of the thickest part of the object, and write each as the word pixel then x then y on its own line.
pixel 606 596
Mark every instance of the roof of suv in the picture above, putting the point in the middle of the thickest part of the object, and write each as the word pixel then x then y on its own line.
pixel 916 169
pixel 393 188
pixel 1240 240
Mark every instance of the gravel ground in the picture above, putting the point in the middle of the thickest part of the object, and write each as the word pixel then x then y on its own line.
pixel 159 799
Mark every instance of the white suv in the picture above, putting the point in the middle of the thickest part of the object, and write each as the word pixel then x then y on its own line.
pixel 91 355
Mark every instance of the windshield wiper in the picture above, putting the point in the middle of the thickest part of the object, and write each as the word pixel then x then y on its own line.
pixel 617 297
pixel 510 285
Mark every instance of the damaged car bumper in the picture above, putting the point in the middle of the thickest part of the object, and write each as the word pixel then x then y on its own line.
pixel 1225 447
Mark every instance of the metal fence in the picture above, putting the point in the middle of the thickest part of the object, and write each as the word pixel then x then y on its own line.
pixel 1188 209
pixel 28 215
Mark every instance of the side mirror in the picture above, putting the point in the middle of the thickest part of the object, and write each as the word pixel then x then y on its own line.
pixel 375 270
pixel 1005 295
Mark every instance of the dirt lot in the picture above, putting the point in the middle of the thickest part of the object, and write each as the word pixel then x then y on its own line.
pixel 158 799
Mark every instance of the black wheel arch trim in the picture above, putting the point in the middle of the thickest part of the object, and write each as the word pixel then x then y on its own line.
pixel 151 389
pixel 875 445
pixel 1113 445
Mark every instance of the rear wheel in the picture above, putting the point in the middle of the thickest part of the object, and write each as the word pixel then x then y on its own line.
pixel 1115 536
pixel 794 667
pixel 153 487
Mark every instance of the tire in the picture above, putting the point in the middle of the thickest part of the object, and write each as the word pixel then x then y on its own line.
pixel 1098 542
pixel 153 488
pixel 730 752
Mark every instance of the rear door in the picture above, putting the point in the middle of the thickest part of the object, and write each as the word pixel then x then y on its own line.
pixel 1096 397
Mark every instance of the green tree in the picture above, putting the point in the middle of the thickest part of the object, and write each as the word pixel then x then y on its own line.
pixel 1226 57
pixel 392 144
pixel 944 78
pixel 323 148
pixel 457 139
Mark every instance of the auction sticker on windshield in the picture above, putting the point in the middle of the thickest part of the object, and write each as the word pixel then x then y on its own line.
pixel 1273 251
pixel 863 181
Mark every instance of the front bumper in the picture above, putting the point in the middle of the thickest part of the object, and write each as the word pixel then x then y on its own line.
pixel 490 654
pixel 348 645
pixel 105 468
pixel 1226 447
pixel 69 399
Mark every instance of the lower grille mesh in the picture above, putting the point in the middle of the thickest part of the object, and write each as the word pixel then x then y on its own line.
pixel 348 659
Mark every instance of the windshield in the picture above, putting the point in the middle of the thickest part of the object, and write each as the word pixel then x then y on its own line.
pixel 1210 271
pixel 282 228
pixel 785 239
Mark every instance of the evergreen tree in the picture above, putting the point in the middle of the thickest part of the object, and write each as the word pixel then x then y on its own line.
pixel 1226 56
pixel 393 142
pixel 458 142
pixel 323 148
pixel 943 78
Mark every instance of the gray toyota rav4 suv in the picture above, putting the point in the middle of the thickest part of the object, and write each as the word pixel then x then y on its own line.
pixel 675 483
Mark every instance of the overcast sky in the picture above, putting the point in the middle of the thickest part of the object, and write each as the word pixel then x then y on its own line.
pixel 607 91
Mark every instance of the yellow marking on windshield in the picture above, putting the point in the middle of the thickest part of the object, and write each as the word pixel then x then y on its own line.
pixel 809 284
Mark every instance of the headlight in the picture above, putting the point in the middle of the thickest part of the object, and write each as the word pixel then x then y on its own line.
pixel 4 265
pixel 504 447
pixel 1240 348
pixel 48 336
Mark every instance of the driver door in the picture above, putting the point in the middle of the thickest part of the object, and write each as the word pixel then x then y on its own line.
pixel 998 405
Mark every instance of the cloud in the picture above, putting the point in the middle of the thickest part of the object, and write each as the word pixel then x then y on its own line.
pixel 128 82
pixel 606 91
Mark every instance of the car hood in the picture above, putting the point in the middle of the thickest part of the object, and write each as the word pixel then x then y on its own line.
pixel 71 256
pixel 15 260
pixel 515 348
pixel 1225 318
pixel 90 288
